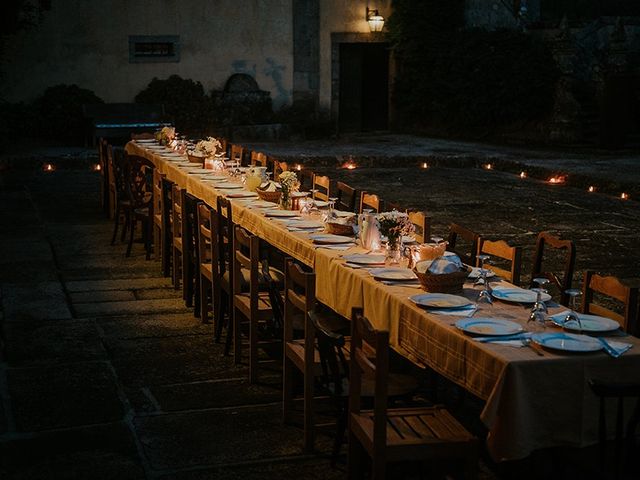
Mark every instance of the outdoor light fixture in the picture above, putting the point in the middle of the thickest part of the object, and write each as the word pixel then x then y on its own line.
pixel 375 20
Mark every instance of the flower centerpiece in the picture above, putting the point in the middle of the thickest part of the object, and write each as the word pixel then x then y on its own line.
pixel 288 184
pixel 206 150
pixel 167 135
pixel 394 225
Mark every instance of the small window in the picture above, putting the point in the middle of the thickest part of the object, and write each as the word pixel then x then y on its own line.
pixel 154 48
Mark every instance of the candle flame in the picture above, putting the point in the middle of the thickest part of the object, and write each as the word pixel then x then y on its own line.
pixel 591 189
pixel 349 165
pixel 487 166
pixel 425 165
pixel 523 174
pixel 298 167
pixel 624 196
pixel 558 179
pixel 48 167
pixel 97 167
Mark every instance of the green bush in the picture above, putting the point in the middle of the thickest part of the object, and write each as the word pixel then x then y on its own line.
pixel 60 111
pixel 184 100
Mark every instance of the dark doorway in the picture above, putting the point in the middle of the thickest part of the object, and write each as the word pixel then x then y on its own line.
pixel 364 87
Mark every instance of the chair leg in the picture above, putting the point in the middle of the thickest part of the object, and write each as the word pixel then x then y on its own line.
pixel 341 427
pixel 157 242
pixel 237 337
pixel 309 430
pixel 176 268
pixel 148 235
pixel 125 225
pixel 287 389
pixel 116 222
pixel 218 312
pixel 354 461
pixel 132 229
pixel 253 350
pixel 205 288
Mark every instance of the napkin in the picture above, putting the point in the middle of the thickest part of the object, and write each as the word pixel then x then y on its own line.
pixel 615 349
pixel 268 186
pixel 440 265
pixel 467 311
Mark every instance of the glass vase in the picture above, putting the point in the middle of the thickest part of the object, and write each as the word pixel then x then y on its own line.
pixel 285 202
pixel 394 251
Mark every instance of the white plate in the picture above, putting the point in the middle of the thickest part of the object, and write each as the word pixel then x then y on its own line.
pixel 475 273
pixel 146 140
pixel 568 342
pixel 440 300
pixel 364 259
pixel 228 186
pixel 327 238
pixel 590 323
pixel 305 224
pixel 282 213
pixel 185 164
pixel 263 204
pixel 239 194
pixel 340 213
pixel 157 148
pixel 321 203
pixel 201 171
pixel 392 274
pixel 488 326
pixel 518 295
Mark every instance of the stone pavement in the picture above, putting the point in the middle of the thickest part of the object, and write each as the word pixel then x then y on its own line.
pixel 105 374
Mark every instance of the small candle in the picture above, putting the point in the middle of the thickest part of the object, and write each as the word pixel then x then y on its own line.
pixel 298 167
pixel 487 166
pixel 97 167
pixel 591 189
pixel 624 196
pixel 523 174
pixel 425 165
pixel 48 167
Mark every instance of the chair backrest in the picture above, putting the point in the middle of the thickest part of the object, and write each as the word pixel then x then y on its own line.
pixel 468 251
pixel 139 181
pixel 258 159
pixel 612 288
pixel 566 248
pixel 278 168
pixel 306 176
pixel 208 237
pixel 422 224
pixel 367 343
pixel 504 251
pixel 370 201
pixel 179 217
pixel 236 153
pixel 346 197
pixel 246 256
pixel 158 191
pixel 299 298
pixel 322 184
pixel 334 366
pixel 225 235
pixel 117 171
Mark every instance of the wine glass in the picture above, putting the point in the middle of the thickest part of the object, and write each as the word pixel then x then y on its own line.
pixel 538 314
pixel 485 294
pixel 573 293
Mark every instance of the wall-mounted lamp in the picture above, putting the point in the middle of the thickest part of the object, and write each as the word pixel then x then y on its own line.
pixel 375 20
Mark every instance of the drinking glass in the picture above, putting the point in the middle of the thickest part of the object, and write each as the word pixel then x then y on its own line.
pixel 485 294
pixel 538 314
pixel 573 293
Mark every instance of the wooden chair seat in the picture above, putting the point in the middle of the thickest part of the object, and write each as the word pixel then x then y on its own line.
pixel 407 427
pixel 242 301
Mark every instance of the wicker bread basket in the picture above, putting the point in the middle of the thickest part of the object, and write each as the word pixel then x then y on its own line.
pixel 269 196
pixel 444 282
pixel 195 158
pixel 339 229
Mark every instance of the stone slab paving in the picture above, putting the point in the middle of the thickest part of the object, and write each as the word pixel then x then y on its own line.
pixel 128 384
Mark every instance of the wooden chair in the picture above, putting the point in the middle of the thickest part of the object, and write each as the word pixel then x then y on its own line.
pixel 160 225
pixel 299 343
pixel 191 291
pixel 306 176
pixel 545 242
pixel 115 179
pixel 504 251
pixel 179 240
pixel 467 253
pixel 322 185
pixel 422 224
pixel 388 435
pixel 370 201
pixel 612 288
pixel 139 190
pixel 252 306
pixel 209 266
pixel 346 197
pixel 237 153
pixel 258 159
pixel 278 168
pixel 618 391
pixel 223 304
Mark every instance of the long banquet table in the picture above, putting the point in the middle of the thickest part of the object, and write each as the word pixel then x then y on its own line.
pixel 531 401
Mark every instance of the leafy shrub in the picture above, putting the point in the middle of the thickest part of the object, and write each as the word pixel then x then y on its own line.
pixel 60 111
pixel 184 100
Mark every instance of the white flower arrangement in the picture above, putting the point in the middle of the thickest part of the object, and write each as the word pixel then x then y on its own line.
pixel 208 147
pixel 167 134
pixel 288 183
pixel 395 224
